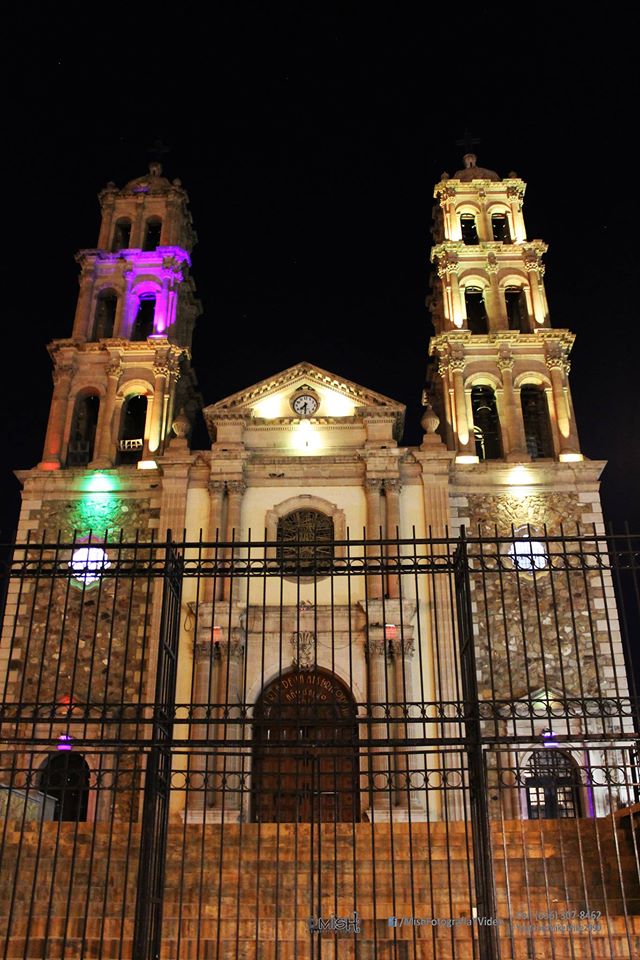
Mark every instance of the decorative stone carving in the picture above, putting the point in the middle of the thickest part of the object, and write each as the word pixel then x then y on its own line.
pixel 457 364
pixel 181 425
pixel 206 650
pixel 492 263
pixel 376 647
pixel 403 647
pixel 505 360
pixel 161 367
pixel 447 264
pixel 236 487
pixel 430 420
pixel 61 372
pixel 114 368
pixel 303 643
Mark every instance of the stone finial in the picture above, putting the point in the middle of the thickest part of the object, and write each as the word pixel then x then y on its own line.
pixel 155 168
pixel 181 425
pixel 430 420
pixel 470 160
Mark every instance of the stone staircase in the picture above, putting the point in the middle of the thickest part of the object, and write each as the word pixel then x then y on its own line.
pixel 246 892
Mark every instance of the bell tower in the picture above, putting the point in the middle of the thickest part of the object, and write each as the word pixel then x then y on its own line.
pixel 124 374
pixel 502 391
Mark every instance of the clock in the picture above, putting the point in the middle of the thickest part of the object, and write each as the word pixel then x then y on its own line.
pixel 305 404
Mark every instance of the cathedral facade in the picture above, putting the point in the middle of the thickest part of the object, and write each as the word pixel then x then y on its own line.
pixel 363 632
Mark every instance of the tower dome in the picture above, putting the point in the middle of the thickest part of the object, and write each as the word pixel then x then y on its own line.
pixel 473 172
pixel 151 182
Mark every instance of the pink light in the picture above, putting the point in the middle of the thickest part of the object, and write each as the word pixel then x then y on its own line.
pixel 64 742
pixel 390 631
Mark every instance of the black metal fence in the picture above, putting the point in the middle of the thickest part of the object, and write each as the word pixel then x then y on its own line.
pixel 375 749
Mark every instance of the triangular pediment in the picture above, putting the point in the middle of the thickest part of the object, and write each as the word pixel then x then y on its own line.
pixel 271 398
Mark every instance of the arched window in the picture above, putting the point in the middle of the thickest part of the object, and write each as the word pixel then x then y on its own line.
pixel 486 423
pixel 535 415
pixel 65 776
pixel 83 431
pixel 468 228
pixel 476 311
pixel 152 231
pixel 105 315
pixel 134 415
pixel 500 227
pixel 121 235
pixel 517 315
pixel 305 543
pixel 143 326
pixel 552 786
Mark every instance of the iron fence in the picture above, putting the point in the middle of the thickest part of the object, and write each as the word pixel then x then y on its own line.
pixel 379 748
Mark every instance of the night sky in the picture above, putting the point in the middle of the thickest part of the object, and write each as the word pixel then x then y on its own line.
pixel 309 138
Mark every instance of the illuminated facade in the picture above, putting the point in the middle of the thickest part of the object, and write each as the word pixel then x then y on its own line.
pixel 305 446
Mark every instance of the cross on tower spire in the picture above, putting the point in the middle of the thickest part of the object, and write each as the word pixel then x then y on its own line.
pixel 468 141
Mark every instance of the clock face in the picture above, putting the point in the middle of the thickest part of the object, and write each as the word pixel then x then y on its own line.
pixel 305 405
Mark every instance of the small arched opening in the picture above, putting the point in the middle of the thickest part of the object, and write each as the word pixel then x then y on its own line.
pixel 83 430
pixel 486 423
pixel 517 315
pixel 477 320
pixel 152 232
pixel 537 425
pixel 469 229
pixel 143 325
pixel 500 227
pixel 121 235
pixel 105 315
pixel 65 777
pixel 132 426
pixel 552 785
pixel 305 752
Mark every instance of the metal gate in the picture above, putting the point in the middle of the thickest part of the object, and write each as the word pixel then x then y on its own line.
pixel 373 749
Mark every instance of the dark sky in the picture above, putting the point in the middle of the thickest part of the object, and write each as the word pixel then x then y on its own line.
pixel 309 138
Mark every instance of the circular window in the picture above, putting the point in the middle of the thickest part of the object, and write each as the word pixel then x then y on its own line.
pixel 528 555
pixel 88 563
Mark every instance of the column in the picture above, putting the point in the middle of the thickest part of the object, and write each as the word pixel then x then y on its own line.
pixel 83 319
pixel 202 762
pixel 161 373
pixel 213 583
pixel 53 441
pixel 410 768
pixel 512 423
pixel 103 451
pixel 234 766
pixel 558 368
pixel 392 496
pixel 379 767
pixel 464 436
pixel 235 493
pixel 373 487
pixel 535 269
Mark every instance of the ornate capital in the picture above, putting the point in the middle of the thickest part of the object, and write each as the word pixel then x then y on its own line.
pixel 216 487
pixel 236 488
pixel 376 647
pixel 372 484
pixel 445 194
pixel 403 647
pixel 457 364
pixel 161 368
pixel 392 485
pixel 505 360
pixel 559 363
pixel 63 371
pixel 533 263
pixel 492 263
pixel 206 650
pixel 114 368
pixel 447 264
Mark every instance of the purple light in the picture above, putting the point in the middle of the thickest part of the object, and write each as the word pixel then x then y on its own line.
pixel 548 736
pixel 64 742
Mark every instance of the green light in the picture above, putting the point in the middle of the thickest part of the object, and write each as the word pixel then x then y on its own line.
pixel 100 483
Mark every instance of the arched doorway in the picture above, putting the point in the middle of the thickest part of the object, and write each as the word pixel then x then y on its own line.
pixel 65 776
pixel 305 752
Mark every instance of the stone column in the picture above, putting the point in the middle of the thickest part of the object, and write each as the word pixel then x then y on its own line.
pixel 373 487
pixel 235 493
pixel 213 583
pixel 234 766
pixel 83 320
pixel 392 495
pixel 535 270
pixel 515 447
pixel 62 376
pixel 161 373
pixel 465 438
pixel 406 759
pixel 380 767
pixel 205 684
pixel 559 366
pixel 103 454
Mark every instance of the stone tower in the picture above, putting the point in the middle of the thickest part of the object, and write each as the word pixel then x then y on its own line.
pixel 124 374
pixel 504 393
